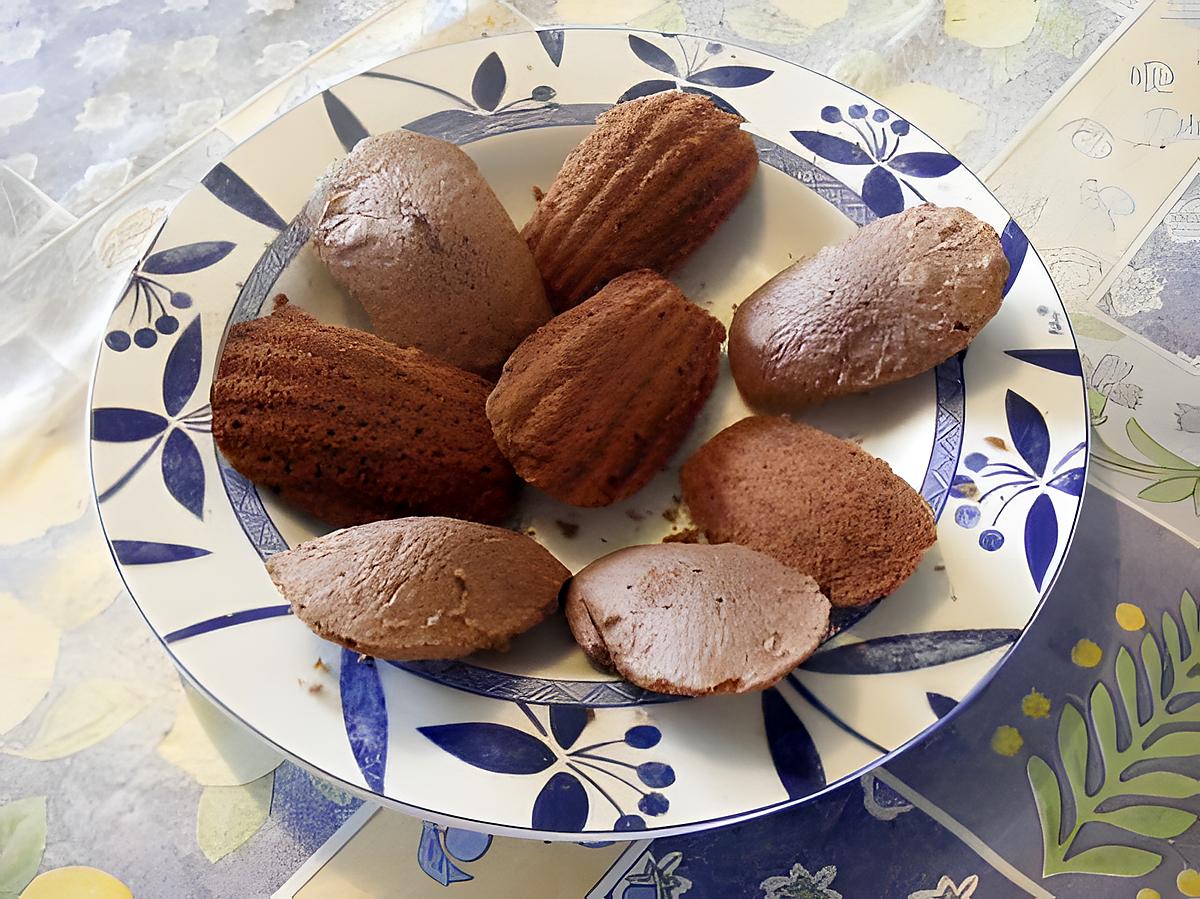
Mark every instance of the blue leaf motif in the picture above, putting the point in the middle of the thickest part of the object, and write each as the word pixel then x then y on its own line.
pixel 731 76
pixel 645 89
pixel 183 472
pixel 432 858
pixel 652 55
pixel 835 149
pixel 552 43
pixel 364 713
pixel 229 187
pixel 1041 537
pixel 492 747
pixel 793 751
pixel 117 425
pixel 941 705
pixel 881 192
pixel 1029 433
pixel 718 102
pixel 924 165
pixel 567 723
pixel 182 372
pixel 1015 245
pixel 191 257
pixel 487 87
pixel 562 805
pixel 145 552
pixel 467 845
pixel 1070 481
pixel 1065 362
pixel 346 126
pixel 908 652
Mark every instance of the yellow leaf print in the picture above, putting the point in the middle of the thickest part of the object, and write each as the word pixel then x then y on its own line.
pixel 83 715
pixel 228 816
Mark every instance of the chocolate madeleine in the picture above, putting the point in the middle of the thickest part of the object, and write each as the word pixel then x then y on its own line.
pixel 643 190
pixel 696 620
pixel 592 405
pixel 409 227
pixel 900 296
pixel 813 501
pixel 419 588
pixel 352 428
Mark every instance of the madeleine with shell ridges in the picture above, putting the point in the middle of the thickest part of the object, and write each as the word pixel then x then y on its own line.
pixel 419 588
pixel 644 189
pixel 408 225
pixel 593 404
pixel 352 428
pixel 823 505
pixel 900 296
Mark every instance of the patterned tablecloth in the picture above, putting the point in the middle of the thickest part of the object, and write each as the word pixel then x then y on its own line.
pixel 1075 773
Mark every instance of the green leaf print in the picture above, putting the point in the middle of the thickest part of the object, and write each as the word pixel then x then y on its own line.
pixel 1175 479
pixel 1122 732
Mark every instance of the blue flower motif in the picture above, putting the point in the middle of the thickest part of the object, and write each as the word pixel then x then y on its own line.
pixel 181 466
pixel 1031 438
pixel 657 879
pixel 151 298
pixel 489 84
pixel 876 147
pixel 563 802
pixel 439 845
pixel 694 76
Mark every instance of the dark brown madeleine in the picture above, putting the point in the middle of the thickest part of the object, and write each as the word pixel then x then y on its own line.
pixel 352 428
pixel 592 405
pixel 643 190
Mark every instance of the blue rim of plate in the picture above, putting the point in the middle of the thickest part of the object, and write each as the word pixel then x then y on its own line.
pixel 692 826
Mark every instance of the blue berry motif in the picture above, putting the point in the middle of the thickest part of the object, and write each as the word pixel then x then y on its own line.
pixel 875 142
pixel 991 540
pixel 564 801
pixel 148 297
pixel 967 516
pixel 975 461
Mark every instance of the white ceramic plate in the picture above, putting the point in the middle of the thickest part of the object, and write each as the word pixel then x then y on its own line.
pixel 535 742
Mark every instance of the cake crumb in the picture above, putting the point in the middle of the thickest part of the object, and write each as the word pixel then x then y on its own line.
pixel 538 193
pixel 939 567
pixel 530 532
pixel 687 535
pixel 319 665
pixel 634 514
pixel 569 528
pixel 997 442
pixel 671 513
pixel 315 688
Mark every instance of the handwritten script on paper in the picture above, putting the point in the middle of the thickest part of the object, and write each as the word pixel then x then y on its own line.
pixel 1153 75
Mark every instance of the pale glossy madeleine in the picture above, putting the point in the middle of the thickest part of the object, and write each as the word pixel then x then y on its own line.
pixel 900 296
pixel 694 620
pixel 650 184
pixel 419 588
pixel 813 501
pixel 593 405
pixel 407 224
